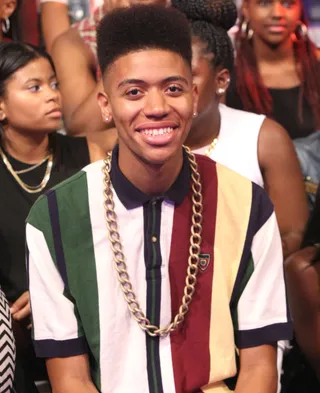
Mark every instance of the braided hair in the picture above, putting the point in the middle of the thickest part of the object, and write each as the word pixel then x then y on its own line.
pixel 254 94
pixel 210 20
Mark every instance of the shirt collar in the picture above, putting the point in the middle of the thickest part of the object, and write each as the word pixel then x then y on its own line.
pixel 131 197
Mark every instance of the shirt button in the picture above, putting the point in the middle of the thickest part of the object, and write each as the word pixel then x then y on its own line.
pixel 154 239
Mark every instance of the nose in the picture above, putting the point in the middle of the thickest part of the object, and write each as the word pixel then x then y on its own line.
pixel 156 105
pixel 52 94
pixel 278 10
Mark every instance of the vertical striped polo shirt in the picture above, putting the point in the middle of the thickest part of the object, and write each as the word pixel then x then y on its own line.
pixel 78 306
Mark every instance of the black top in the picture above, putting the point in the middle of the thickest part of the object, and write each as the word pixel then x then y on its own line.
pixel 285 109
pixel 70 155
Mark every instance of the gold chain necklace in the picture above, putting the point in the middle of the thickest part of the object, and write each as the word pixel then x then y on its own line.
pixel 24 186
pixel 119 259
pixel 31 168
pixel 212 146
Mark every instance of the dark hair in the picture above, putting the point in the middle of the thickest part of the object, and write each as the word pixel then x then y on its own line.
pixel 210 20
pixel 142 27
pixel 254 94
pixel 16 55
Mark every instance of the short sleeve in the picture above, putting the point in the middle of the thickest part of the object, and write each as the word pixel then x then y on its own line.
pixel 261 312
pixel 57 331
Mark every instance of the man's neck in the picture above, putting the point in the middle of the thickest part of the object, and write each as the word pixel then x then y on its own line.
pixel 268 54
pixel 29 148
pixel 150 179
pixel 204 129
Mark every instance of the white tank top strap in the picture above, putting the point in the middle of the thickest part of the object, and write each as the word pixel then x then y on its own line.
pixel 237 146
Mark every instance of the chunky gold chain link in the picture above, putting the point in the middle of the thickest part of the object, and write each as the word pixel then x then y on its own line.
pixel 119 259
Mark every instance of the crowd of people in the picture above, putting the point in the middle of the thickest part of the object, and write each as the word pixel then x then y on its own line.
pixel 160 208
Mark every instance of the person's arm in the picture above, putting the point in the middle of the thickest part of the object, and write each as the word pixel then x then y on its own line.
pixel 258 371
pixel 304 297
pixel 20 309
pixel 70 375
pixel 284 183
pixel 54 21
pixel 78 86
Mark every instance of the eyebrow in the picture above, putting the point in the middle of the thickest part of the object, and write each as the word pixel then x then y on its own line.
pixel 175 78
pixel 53 76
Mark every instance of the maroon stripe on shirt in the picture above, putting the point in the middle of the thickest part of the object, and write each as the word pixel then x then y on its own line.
pixel 190 343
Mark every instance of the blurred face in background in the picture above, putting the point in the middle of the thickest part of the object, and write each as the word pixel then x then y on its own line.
pixel 273 21
pixel 207 78
pixel 32 101
pixel 7 8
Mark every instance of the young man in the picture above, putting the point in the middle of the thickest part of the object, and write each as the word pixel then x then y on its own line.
pixel 79 89
pixel 147 270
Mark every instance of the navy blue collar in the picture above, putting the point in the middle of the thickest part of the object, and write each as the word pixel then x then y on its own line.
pixel 131 197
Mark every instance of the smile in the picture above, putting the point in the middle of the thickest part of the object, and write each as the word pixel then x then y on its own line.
pixel 157 131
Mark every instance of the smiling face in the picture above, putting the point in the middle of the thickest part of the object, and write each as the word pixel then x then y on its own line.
pixel 32 101
pixel 151 97
pixel 273 21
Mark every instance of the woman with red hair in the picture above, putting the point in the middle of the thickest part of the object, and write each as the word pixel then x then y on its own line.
pixel 277 69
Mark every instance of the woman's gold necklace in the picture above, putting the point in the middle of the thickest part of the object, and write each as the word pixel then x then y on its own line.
pixel 24 186
pixel 212 146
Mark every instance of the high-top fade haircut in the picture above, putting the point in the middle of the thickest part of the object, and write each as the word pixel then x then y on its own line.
pixel 141 27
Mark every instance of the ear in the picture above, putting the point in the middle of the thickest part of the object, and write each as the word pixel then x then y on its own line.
pixel 105 108
pixel 3 115
pixel 222 81
pixel 8 8
pixel 195 97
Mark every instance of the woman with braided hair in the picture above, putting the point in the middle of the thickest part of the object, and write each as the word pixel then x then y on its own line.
pixel 277 69
pixel 253 145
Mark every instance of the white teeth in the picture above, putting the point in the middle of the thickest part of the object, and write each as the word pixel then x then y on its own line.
pixel 158 131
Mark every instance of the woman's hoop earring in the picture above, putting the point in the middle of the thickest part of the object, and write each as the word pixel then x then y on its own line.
pixel 246 32
pixel 301 31
pixel 5 25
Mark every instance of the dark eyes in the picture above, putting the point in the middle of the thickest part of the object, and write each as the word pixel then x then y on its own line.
pixel 136 93
pixel 36 87
pixel 284 3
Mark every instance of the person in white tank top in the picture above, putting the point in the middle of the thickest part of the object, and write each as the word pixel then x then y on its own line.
pixel 232 144
pixel 254 146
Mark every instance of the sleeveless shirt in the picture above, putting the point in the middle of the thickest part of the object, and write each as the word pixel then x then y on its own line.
pixel 237 146
pixel 70 155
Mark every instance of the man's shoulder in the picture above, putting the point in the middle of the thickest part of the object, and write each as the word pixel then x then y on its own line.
pixel 67 192
pixel 237 189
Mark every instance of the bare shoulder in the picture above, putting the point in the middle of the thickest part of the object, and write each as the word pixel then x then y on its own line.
pixel 273 143
pixel 273 132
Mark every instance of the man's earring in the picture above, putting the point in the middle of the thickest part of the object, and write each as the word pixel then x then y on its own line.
pixel 220 91
pixel 107 118
pixel 195 114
